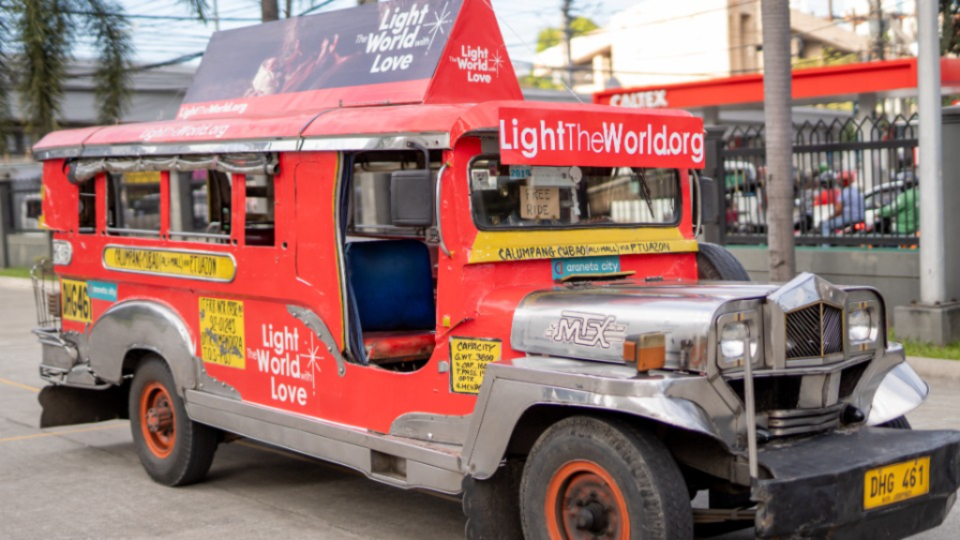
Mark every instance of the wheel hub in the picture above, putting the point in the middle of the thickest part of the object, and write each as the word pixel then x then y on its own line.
pixel 160 418
pixel 588 504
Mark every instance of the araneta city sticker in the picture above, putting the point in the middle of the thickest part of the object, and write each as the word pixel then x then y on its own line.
pixel 587 329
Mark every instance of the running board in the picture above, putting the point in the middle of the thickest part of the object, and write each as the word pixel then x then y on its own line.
pixel 401 462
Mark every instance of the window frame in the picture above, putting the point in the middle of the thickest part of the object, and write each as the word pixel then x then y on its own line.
pixel 678 206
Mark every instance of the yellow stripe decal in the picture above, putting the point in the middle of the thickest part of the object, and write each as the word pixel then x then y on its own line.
pixel 529 245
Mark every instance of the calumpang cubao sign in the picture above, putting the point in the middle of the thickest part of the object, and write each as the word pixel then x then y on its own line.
pixel 600 139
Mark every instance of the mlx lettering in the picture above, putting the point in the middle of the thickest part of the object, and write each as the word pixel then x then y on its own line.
pixel 586 329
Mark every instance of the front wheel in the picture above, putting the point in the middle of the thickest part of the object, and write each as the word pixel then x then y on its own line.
pixel 173 449
pixel 590 478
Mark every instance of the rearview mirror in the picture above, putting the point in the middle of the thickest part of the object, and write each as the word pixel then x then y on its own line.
pixel 709 200
pixel 411 198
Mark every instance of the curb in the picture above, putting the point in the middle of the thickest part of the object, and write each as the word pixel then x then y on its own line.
pixel 15 283
pixel 936 369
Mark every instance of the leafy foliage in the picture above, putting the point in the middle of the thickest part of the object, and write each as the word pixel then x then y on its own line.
pixel 548 37
pixel 950 30
pixel 36 46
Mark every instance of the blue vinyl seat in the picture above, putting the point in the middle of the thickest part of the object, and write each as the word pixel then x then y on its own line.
pixel 392 285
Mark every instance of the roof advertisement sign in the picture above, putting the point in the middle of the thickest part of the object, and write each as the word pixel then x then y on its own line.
pixel 372 54
pixel 600 139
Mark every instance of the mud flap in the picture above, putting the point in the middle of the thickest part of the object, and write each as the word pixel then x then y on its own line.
pixel 65 406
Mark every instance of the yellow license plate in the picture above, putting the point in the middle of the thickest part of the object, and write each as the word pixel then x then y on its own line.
pixel 894 483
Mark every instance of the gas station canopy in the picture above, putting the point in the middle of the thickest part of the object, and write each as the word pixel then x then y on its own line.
pixel 832 84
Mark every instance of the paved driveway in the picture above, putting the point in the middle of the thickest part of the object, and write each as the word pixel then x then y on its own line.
pixel 86 481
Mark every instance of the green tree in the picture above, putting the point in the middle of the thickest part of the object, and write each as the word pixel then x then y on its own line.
pixel 950 31
pixel 548 37
pixel 37 38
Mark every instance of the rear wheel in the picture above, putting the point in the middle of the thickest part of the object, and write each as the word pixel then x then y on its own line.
pixel 716 263
pixel 587 478
pixel 173 449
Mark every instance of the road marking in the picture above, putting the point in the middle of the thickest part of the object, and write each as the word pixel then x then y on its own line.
pixel 56 433
pixel 19 385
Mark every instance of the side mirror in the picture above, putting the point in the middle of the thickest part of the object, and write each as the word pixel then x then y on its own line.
pixel 411 198
pixel 709 200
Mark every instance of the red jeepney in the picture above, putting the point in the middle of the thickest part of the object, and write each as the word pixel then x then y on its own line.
pixel 358 242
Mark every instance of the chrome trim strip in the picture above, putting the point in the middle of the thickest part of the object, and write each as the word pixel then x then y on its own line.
pixel 430 466
pixel 443 246
pixel 433 141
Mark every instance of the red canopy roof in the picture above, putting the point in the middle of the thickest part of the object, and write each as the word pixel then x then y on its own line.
pixel 840 83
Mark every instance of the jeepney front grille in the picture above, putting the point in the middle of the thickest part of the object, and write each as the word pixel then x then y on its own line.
pixel 814 331
pixel 778 398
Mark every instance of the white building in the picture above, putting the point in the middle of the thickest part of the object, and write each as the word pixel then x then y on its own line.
pixel 672 42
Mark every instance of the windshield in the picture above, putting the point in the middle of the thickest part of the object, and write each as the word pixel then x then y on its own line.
pixel 522 196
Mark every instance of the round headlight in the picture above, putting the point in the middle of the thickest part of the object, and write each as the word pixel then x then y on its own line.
pixel 860 325
pixel 733 340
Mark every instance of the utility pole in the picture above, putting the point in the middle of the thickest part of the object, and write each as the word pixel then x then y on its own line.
pixel 932 242
pixel 269 10
pixel 777 99
pixel 876 29
pixel 216 16
pixel 568 37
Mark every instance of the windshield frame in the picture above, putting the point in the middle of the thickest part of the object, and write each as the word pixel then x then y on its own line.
pixel 677 220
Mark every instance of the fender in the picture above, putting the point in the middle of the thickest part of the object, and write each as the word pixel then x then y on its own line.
pixel 509 391
pixel 901 391
pixel 141 324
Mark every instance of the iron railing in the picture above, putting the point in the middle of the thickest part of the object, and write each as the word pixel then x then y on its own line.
pixel 854 182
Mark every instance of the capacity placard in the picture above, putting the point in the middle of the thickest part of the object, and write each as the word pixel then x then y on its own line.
pixel 74 301
pixel 222 332
pixel 468 362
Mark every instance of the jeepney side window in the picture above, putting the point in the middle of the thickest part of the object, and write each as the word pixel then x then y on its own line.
pixel 133 203
pixel 200 206
pixel 260 223
pixel 87 207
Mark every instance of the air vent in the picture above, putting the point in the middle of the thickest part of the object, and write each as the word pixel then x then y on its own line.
pixel 814 331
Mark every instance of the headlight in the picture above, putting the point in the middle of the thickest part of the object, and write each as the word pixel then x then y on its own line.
pixel 62 252
pixel 860 325
pixel 733 341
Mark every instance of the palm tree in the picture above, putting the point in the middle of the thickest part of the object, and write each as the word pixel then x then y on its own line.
pixel 36 44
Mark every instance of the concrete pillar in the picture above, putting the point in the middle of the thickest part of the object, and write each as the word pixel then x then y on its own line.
pixel 938 322
pixel 711 116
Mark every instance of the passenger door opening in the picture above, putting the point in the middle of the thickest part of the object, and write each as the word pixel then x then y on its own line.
pixel 391 271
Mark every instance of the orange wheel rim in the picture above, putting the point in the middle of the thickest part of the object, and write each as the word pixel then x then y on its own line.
pixel 158 420
pixel 584 502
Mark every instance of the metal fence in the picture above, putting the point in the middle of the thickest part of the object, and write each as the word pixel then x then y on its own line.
pixel 854 183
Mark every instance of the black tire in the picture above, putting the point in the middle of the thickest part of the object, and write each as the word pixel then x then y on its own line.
pixel 646 482
pixel 715 263
pixel 898 423
pixel 191 450
pixel 492 506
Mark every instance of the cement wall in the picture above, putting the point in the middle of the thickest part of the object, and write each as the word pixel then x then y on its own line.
pixel 893 272
pixel 23 249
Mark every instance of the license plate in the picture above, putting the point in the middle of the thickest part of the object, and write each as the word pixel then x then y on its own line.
pixel 894 483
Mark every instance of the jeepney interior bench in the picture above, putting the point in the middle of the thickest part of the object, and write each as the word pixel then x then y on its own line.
pixel 392 292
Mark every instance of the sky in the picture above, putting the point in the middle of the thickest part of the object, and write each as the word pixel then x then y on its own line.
pixel 158 40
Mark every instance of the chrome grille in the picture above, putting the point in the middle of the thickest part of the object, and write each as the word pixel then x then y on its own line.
pixel 815 330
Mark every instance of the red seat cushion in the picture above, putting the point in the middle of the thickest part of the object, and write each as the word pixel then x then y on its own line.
pixel 399 346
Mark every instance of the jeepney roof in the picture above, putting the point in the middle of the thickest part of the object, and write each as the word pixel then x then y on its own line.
pixel 375 76
pixel 434 126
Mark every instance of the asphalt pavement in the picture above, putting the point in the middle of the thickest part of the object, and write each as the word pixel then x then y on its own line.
pixel 86 481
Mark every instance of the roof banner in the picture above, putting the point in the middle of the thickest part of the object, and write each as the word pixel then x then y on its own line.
pixel 383 53
pixel 533 136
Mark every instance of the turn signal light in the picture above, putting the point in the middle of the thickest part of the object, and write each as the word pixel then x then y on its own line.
pixel 646 351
